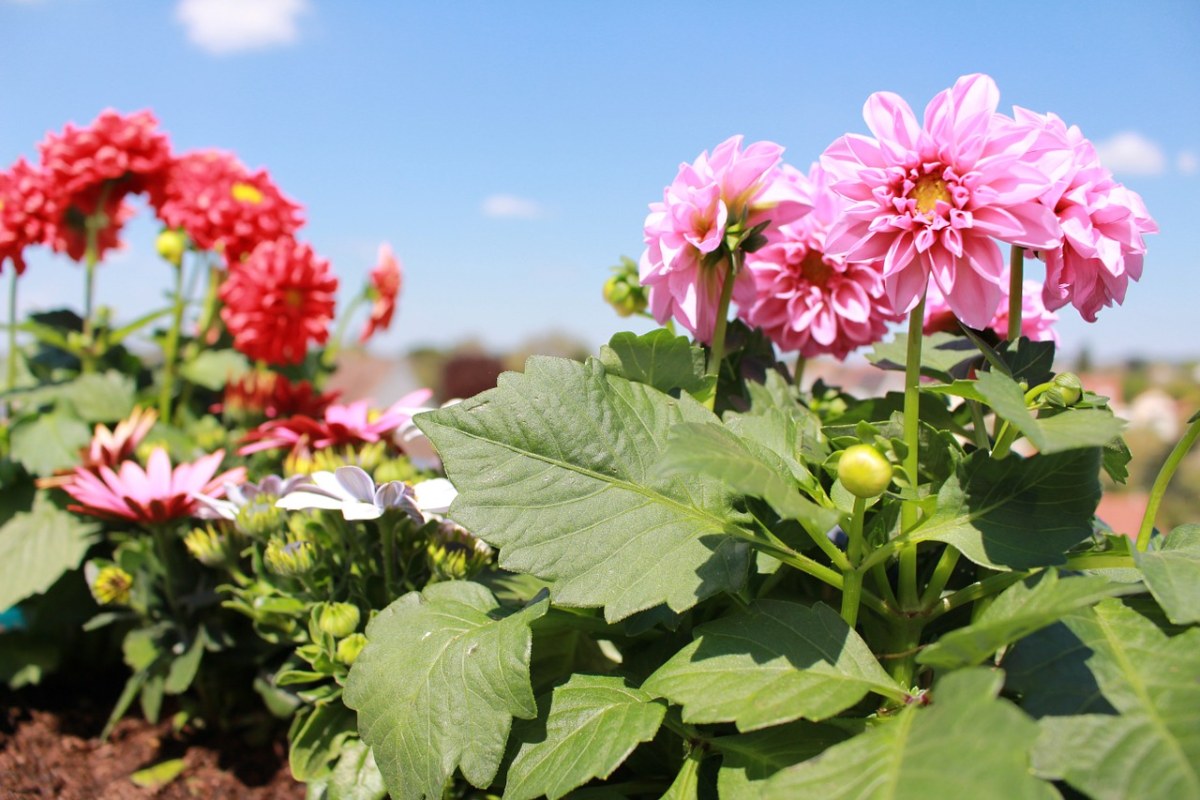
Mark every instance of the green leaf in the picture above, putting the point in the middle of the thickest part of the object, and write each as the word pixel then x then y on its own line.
pixel 773 663
pixel 712 450
pixel 37 547
pixel 316 740
pixel 586 730
pixel 1048 669
pixel 104 397
pixel 940 751
pixel 1017 513
pixel 183 668
pixel 355 777
pixel 212 369
pixel 686 785
pixel 49 442
pixel 750 758
pixel 556 468
pixel 1152 748
pixel 1067 430
pixel 1018 611
pixel 159 775
pixel 1172 573
pixel 1032 362
pixel 940 353
pixel 658 358
pixel 438 685
pixel 26 659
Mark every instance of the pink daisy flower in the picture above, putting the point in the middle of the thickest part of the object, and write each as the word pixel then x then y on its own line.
pixel 1102 221
pixel 807 300
pixel 349 424
pixel 151 496
pixel 928 199
pixel 731 186
pixel 1037 323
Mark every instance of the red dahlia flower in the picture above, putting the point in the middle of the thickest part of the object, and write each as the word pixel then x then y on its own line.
pixel 223 206
pixel 278 300
pixel 271 395
pixel 386 279
pixel 26 212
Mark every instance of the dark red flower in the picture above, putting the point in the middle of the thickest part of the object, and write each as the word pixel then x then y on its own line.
pixel 271 395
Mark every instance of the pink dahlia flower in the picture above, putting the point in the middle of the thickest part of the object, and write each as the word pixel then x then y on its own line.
pixel 278 300
pixel 27 213
pixel 1102 221
pixel 1037 323
pixel 151 496
pixel 351 424
pixel 223 206
pixel 806 300
pixel 92 169
pixel 928 199
pixel 731 186
pixel 386 280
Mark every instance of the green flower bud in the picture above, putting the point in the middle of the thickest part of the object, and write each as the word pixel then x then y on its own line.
pixel 1066 391
pixel 864 471
pixel 208 545
pixel 338 619
pixel 172 244
pixel 290 556
pixel 454 553
pixel 349 648
pixel 112 586
pixel 623 291
pixel 260 518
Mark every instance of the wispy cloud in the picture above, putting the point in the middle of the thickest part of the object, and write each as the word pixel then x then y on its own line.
pixel 1132 153
pixel 512 207
pixel 229 26
pixel 1187 162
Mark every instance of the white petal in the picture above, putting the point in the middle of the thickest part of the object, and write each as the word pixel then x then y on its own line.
pixel 329 482
pixel 435 496
pixel 299 499
pixel 361 511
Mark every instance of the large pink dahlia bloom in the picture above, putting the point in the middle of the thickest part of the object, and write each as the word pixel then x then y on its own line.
pixel 929 199
pixel 731 186
pixel 1102 221
pixel 809 301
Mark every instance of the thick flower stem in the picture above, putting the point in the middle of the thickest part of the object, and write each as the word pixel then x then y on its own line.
pixel 91 257
pixel 941 575
pixel 11 361
pixel 912 430
pixel 1164 477
pixel 171 349
pixel 852 578
pixel 1016 287
pixel 717 354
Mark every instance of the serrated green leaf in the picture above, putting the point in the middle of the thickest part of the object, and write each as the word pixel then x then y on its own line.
pixel 1018 611
pixel 929 752
pixel 316 739
pixel 1070 429
pixel 1017 513
pixel 713 450
pixel 773 663
pixel 940 353
pixel 750 758
pixel 658 358
pixel 555 467
pixel 586 730
pixel 49 442
pixel 100 397
pixel 37 547
pixel 1032 362
pixel 438 685
pixel 1048 669
pixel 355 777
pixel 1152 747
pixel 1172 573
pixel 212 369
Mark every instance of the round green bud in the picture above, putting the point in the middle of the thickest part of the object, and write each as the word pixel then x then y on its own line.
pixel 1067 389
pixel 864 471
pixel 171 244
pixel 290 556
pixel 349 648
pixel 338 619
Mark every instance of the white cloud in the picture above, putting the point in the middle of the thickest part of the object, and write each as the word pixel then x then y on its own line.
pixel 230 26
pixel 1131 153
pixel 1187 162
pixel 511 206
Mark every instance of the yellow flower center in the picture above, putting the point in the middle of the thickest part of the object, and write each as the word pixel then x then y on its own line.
pixel 928 191
pixel 293 297
pixel 245 193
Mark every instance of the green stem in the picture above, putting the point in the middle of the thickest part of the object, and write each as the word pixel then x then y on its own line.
pixel 1004 441
pixel 171 349
pixel 90 259
pixel 902 661
pixel 977 591
pixel 1164 477
pixel 11 365
pixel 798 377
pixel 717 354
pixel 912 430
pixel 1016 287
pixel 979 426
pixel 852 578
pixel 1084 561
pixel 329 357
pixel 941 575
pixel 882 584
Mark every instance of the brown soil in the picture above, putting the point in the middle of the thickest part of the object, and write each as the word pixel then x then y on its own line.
pixel 49 748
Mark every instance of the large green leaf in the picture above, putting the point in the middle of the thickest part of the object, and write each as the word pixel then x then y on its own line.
pixel 967 744
pixel 37 547
pixel 354 777
pixel 1172 571
pixel 1017 513
pixel 586 730
pixel 438 685
pixel 49 442
pixel 713 450
pixel 555 467
pixel 1152 748
pixel 658 358
pixel 1049 670
pixel 212 369
pixel 316 739
pixel 101 397
pixel 773 663
pixel 1018 611
pixel 747 759
pixel 1067 430
pixel 940 353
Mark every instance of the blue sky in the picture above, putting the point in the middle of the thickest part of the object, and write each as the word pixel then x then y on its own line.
pixel 508 150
